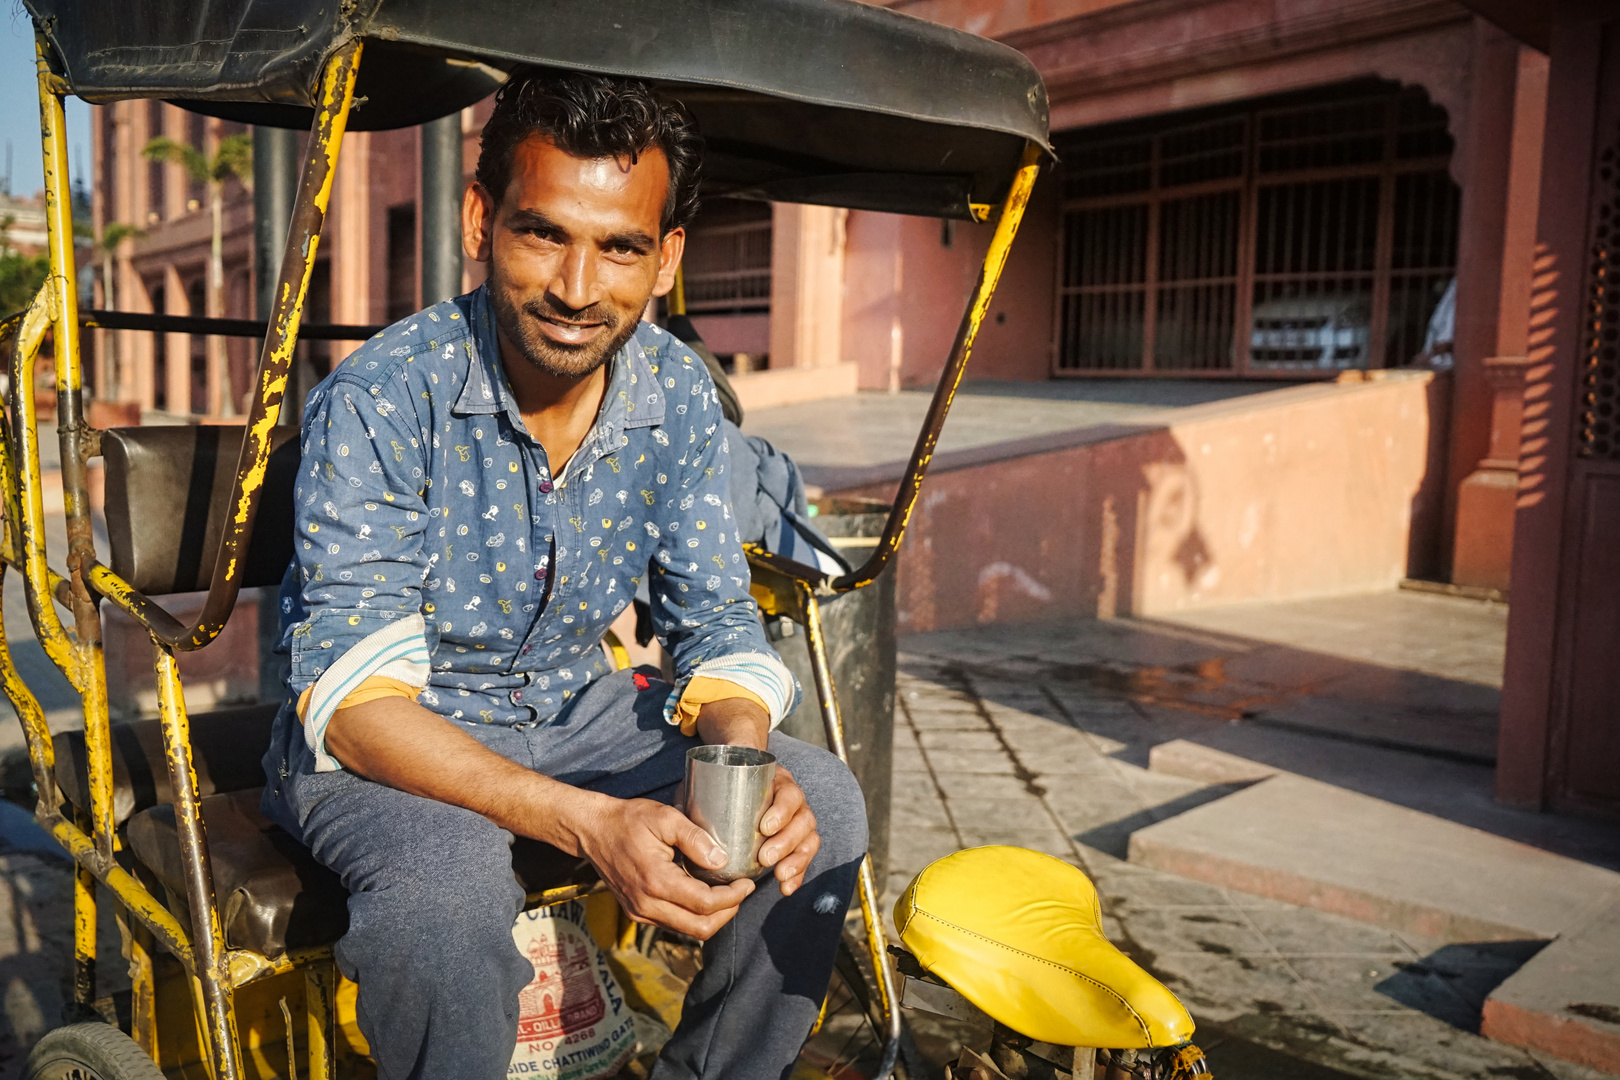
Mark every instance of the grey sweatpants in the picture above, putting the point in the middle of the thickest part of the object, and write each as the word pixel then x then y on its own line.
pixel 432 898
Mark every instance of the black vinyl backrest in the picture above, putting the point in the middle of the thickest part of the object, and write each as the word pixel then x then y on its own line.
pixel 168 490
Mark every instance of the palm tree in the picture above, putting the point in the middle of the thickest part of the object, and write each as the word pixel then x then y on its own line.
pixel 113 234
pixel 232 157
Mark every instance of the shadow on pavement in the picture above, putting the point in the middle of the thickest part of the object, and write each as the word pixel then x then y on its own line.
pixel 1411 738
pixel 1452 983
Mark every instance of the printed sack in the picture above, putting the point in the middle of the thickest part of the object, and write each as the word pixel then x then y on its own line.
pixel 573 1023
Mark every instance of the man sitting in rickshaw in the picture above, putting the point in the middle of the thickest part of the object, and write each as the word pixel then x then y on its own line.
pixel 484 486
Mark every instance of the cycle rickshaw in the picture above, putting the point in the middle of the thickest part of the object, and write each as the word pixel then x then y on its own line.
pixel 226 924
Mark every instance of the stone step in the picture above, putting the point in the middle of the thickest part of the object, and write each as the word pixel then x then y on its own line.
pixel 1566 999
pixel 1310 843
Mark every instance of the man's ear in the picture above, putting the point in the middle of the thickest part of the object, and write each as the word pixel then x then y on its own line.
pixel 670 250
pixel 477 222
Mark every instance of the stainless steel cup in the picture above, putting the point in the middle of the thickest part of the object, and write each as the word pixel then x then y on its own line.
pixel 727 790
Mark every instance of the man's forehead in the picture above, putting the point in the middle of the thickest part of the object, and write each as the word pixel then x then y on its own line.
pixel 543 171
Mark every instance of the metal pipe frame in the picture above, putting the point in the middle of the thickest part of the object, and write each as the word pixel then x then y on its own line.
pixel 213 969
pixel 995 260
pixel 441 209
pixel 248 328
pixel 783 587
pixel 275 363
pixel 876 942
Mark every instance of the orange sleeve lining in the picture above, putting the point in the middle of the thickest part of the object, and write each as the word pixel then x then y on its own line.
pixel 377 686
pixel 702 690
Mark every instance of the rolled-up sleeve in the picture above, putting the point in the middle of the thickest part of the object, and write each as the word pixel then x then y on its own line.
pixel 701 606
pixel 360 523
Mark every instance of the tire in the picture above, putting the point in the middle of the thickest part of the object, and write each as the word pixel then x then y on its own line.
pixel 850 1040
pixel 89 1051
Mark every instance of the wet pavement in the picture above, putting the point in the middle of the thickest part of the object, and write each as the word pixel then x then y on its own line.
pixel 1040 736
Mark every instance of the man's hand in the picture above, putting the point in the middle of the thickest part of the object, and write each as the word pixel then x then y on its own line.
pixel 633 842
pixel 789 826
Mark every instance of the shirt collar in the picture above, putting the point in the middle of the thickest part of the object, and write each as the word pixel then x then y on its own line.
pixel 633 397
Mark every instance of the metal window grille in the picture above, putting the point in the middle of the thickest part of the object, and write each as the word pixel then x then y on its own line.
pixel 1286 238
pixel 1599 436
pixel 727 266
pixel 401 289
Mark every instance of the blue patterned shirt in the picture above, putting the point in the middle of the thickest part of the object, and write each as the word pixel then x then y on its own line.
pixel 435 543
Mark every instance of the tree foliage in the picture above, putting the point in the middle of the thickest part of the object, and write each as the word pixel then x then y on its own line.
pixel 20 275
pixel 232 157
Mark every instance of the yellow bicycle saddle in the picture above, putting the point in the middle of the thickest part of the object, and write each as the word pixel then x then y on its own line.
pixel 1019 934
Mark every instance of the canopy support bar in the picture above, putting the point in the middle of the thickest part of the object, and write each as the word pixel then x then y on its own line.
pixel 995 260
pixel 441 209
pixel 275 363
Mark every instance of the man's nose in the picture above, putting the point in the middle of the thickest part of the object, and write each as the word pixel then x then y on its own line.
pixel 576 285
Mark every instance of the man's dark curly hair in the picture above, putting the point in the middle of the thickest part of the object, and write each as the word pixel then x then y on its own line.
pixel 593 116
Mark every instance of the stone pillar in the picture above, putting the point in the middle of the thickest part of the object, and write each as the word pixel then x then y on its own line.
pixel 1487 499
pixel 1498 227
pixel 1556 746
pixel 348 232
pixel 807 285
pixel 176 347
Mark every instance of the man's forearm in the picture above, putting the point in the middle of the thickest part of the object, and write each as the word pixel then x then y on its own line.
pixel 399 743
pixel 736 721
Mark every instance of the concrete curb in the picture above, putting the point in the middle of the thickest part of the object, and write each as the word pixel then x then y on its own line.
pixel 1566 1000
pixel 1310 843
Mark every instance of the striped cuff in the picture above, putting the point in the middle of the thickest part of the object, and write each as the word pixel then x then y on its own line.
pixel 763 675
pixel 398 651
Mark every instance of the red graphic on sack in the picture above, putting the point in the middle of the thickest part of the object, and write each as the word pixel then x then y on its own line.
pixel 564 997
pixel 641 681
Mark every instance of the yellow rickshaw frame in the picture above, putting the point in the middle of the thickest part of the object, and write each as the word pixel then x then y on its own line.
pixel 216 971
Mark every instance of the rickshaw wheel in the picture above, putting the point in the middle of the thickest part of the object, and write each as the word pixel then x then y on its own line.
pixel 89 1051
pixel 849 1043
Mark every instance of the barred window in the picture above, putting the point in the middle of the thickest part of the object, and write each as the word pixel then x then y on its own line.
pixel 1302 235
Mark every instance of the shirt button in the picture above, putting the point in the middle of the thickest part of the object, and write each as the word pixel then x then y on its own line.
pixel 540 574
pixel 545 487
pixel 517 695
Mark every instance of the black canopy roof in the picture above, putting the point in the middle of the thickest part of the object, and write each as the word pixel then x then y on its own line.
pixel 823 101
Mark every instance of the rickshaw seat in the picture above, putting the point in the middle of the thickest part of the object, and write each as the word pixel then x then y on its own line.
pixel 1019 934
pixel 167 500
pixel 273 895
pixel 225 750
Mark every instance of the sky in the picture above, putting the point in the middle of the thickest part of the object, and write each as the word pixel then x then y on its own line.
pixel 19 109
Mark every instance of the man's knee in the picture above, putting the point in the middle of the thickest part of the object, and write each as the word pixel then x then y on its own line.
pixel 457 912
pixel 834 796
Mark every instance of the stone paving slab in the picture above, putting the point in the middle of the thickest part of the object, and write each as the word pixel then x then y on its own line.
pixel 1279 992
pixel 1566 1000
pixel 1458 791
pixel 1311 843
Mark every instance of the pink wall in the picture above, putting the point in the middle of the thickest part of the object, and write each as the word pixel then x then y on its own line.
pixel 1301 492
pixel 904 292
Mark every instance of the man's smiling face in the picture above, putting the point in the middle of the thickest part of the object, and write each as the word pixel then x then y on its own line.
pixel 574 252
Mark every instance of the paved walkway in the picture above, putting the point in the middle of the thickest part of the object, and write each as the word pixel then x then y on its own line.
pixel 1039 736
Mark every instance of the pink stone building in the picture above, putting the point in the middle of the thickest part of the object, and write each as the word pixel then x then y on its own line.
pixel 1279 190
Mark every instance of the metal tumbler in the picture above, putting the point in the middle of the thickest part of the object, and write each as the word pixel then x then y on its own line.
pixel 727 790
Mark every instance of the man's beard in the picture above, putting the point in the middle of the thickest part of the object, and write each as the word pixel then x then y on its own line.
pixel 517 321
